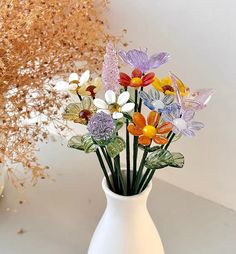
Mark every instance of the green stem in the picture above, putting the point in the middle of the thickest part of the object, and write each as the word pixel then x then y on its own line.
pixel 119 175
pixel 170 140
pixel 127 155
pixel 135 143
pixel 140 171
pixel 148 180
pixel 128 158
pixel 109 163
pixel 140 102
pixel 79 95
pixel 144 178
pixel 104 169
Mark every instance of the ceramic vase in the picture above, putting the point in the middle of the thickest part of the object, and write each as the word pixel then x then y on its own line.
pixel 126 226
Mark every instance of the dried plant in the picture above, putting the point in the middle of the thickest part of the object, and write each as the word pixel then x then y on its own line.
pixel 38 40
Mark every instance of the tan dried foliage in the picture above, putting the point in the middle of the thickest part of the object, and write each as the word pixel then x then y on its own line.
pixel 38 40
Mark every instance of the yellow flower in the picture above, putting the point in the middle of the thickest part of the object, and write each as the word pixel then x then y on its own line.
pixel 165 86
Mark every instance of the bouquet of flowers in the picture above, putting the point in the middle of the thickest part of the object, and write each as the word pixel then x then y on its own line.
pixel 170 105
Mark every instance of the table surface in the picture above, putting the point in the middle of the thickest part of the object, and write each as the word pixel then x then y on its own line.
pixel 59 215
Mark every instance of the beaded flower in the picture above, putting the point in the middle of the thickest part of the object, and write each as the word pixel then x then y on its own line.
pixel 137 79
pixel 113 105
pixel 80 112
pixel 148 131
pixel 101 126
pixel 139 59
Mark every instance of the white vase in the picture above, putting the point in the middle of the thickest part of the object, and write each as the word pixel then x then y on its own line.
pixel 126 226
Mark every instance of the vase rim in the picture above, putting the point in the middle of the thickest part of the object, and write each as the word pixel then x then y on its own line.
pixel 122 197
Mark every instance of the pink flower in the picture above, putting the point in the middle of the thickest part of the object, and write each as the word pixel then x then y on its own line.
pixel 110 70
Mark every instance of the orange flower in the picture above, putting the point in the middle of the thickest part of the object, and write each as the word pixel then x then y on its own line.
pixel 150 130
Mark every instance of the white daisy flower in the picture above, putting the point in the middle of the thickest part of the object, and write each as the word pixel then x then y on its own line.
pixel 75 81
pixel 113 105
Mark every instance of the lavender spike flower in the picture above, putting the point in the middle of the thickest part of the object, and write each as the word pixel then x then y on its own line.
pixel 110 70
pixel 139 59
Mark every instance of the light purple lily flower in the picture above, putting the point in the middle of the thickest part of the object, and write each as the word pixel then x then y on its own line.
pixel 182 121
pixel 139 59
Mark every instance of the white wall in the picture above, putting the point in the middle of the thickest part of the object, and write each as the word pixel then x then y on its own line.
pixel 200 35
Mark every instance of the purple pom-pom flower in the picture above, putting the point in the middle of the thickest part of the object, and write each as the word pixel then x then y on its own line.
pixel 139 59
pixel 101 126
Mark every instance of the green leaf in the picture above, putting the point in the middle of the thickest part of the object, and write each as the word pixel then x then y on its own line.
pixel 116 146
pixel 177 160
pixel 76 143
pixel 119 124
pixel 158 159
pixel 88 144
pixel 154 148
pixel 83 143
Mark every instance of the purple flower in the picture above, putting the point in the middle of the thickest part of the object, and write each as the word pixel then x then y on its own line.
pixel 101 126
pixel 182 121
pixel 110 70
pixel 140 60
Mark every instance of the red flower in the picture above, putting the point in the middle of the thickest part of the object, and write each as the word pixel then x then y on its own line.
pixel 137 79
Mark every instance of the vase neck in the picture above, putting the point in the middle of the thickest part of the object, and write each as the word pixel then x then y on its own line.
pixel 122 202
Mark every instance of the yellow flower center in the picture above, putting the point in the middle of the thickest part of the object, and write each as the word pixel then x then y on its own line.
pixel 149 131
pixel 136 81
pixel 114 107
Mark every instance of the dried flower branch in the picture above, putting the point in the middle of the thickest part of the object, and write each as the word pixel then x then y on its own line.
pixel 38 40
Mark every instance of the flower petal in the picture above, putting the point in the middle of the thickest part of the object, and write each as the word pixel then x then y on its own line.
pixel 160 140
pixel 74 78
pixel 123 98
pixel 144 96
pixel 188 115
pixel 139 120
pixel 124 79
pixel 84 77
pixel 195 126
pixel 188 132
pixel 134 130
pixel 167 117
pixel 168 99
pixel 164 128
pixel 138 59
pixel 148 79
pixel 99 103
pixel 153 118
pixel 158 59
pixel 128 107
pixel 143 140
pixel 154 94
pixel 72 86
pixel 86 102
pixel 117 115
pixel 110 97
pixel 136 73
